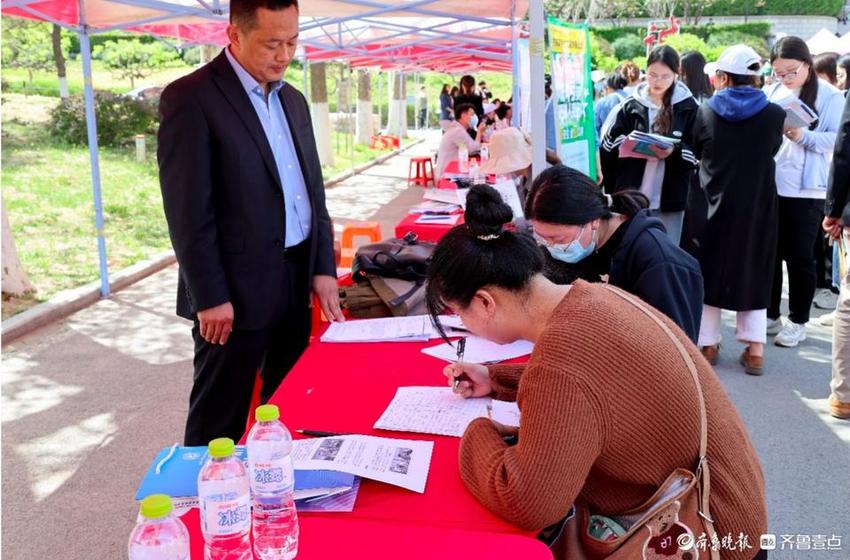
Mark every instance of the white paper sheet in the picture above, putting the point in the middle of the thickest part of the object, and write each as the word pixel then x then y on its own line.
pixel 412 328
pixel 437 410
pixel 481 351
pixel 399 462
pixel 507 189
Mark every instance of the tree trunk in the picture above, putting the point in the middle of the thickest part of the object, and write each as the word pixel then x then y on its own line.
pixel 320 113
pixel 59 58
pixel 365 127
pixel 14 279
pixel 397 125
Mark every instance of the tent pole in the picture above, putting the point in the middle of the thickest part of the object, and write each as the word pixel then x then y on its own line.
pixel 91 128
pixel 538 101
pixel 515 58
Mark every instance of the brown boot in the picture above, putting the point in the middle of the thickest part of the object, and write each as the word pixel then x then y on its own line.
pixel 839 409
pixel 754 365
pixel 711 353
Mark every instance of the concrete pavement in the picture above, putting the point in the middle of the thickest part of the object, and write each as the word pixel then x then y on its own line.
pixel 88 401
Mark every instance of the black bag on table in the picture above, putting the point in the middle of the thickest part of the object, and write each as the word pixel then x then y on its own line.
pixel 406 259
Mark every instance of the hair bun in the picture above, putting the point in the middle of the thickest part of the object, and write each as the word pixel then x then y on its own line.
pixel 486 213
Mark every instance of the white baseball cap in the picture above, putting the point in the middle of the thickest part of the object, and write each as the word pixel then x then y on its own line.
pixel 740 59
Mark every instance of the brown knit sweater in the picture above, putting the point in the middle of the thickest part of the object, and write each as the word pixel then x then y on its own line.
pixel 608 412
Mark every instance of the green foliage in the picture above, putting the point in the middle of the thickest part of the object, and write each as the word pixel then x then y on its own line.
pixel 776 7
pixel 686 42
pixel 602 55
pixel 29 45
pixel 578 11
pixel 134 59
pixel 758 29
pixel 726 39
pixel 629 46
pixel 101 38
pixel 119 119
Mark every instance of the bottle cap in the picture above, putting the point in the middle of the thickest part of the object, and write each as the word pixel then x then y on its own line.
pixel 221 447
pixel 267 413
pixel 156 506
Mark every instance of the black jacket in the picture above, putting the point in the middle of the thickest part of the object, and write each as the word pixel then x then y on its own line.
pixel 627 173
pixel 223 198
pixel 474 100
pixel 838 192
pixel 644 262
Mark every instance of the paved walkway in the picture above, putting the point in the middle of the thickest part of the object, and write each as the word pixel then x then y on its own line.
pixel 87 402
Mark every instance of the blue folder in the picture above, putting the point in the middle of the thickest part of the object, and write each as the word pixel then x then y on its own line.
pixel 178 476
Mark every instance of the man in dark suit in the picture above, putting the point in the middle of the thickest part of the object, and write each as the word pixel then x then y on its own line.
pixel 837 225
pixel 244 199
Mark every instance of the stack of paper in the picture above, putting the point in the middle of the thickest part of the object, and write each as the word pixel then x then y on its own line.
pixel 174 472
pixel 482 351
pixel 414 328
pixel 645 145
pixel 434 207
pixel 797 113
pixel 442 219
pixel 437 410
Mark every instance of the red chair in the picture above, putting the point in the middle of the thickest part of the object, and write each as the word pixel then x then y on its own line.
pixel 424 172
pixel 369 230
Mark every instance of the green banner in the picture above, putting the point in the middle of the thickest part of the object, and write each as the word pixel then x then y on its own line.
pixel 572 95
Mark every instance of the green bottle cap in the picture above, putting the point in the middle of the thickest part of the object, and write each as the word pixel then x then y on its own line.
pixel 156 506
pixel 221 447
pixel 267 413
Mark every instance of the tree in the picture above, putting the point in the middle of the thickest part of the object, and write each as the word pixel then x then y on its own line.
pixel 613 10
pixel 568 10
pixel 365 127
pixel 59 59
pixel 28 45
pixel 660 9
pixel 14 279
pixel 320 112
pixel 132 59
pixel 693 10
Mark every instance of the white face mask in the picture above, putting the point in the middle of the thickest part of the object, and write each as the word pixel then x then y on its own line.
pixel 473 121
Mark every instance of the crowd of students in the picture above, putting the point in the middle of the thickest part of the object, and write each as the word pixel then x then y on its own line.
pixel 607 411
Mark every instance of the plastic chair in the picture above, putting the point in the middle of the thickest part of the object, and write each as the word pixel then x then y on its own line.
pixel 423 165
pixel 371 230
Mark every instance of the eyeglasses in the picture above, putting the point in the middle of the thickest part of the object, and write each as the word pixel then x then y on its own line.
pixel 788 76
pixel 556 246
pixel 662 78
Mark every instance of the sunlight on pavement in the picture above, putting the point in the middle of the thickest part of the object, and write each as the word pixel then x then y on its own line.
pixel 26 393
pixel 841 428
pixel 53 459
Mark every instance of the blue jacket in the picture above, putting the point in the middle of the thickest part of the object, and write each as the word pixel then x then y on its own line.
pixel 648 264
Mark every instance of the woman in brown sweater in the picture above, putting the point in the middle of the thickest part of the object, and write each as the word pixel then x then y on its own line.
pixel 608 409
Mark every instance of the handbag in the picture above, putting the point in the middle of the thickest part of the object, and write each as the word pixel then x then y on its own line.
pixel 404 258
pixel 383 297
pixel 668 525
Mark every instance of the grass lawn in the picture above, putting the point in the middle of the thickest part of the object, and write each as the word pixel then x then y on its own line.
pixel 47 193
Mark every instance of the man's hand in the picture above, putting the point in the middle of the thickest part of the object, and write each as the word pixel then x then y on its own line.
pixel 325 288
pixel 832 226
pixel 216 323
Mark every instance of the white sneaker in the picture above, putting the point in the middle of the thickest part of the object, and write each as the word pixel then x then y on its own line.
pixel 825 299
pixel 827 319
pixel 791 335
pixel 774 326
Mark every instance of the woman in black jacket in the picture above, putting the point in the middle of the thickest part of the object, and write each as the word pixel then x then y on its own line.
pixel 665 106
pixel 595 235
pixel 467 94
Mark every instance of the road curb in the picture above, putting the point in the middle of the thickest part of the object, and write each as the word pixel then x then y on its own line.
pixel 333 181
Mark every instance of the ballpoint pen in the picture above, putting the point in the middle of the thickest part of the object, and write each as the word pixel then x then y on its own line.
pixel 461 347
pixel 319 433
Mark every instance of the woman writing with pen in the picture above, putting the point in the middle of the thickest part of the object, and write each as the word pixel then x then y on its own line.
pixel 609 408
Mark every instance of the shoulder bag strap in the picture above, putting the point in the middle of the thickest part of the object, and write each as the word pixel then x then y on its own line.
pixel 703 474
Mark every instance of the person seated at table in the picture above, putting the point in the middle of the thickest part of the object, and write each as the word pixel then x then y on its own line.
pixel 591 235
pixel 510 157
pixel 457 134
pixel 608 406
pixel 504 114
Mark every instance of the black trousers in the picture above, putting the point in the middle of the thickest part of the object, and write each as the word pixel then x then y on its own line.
pixel 224 375
pixel 799 224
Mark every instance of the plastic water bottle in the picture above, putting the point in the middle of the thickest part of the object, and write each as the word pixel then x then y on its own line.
pixel 159 535
pixel 485 154
pixel 475 173
pixel 272 484
pixel 463 158
pixel 225 502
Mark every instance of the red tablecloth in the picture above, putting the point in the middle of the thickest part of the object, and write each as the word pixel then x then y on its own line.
pixel 345 388
pixel 425 232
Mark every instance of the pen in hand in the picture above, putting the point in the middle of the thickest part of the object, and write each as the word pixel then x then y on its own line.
pixel 461 347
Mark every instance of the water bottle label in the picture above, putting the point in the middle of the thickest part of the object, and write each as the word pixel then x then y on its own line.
pixel 272 476
pixel 227 517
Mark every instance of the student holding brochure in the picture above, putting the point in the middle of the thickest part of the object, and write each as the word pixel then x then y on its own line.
pixel 802 173
pixel 663 106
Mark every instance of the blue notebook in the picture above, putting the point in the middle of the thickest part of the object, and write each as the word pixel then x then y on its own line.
pixel 178 476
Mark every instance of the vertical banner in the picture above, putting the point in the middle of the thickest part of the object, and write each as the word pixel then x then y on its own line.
pixel 524 113
pixel 572 89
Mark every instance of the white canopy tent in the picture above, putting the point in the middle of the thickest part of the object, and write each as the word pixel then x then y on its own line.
pixel 825 41
pixel 401 34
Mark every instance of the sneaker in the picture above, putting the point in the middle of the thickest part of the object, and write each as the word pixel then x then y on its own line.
pixel 791 335
pixel 753 365
pixel 839 409
pixel 711 353
pixel 827 319
pixel 774 326
pixel 825 299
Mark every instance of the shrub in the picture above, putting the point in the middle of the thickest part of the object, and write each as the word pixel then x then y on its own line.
pixel 686 42
pixel 118 119
pixel 726 39
pixel 629 46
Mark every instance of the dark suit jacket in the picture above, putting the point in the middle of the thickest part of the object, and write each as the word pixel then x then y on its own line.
pixel 838 192
pixel 223 198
